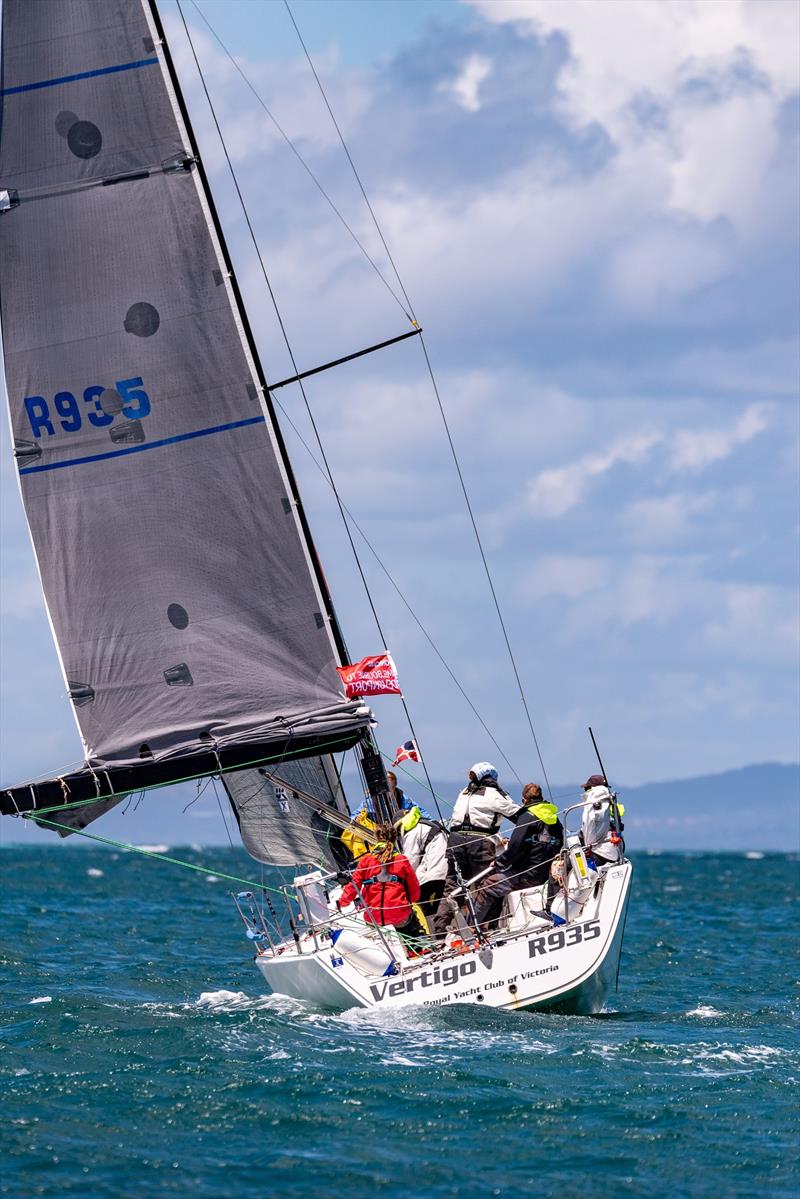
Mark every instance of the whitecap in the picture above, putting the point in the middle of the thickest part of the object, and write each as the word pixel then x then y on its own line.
pixel 751 1053
pixel 754 855
pixel 238 1001
pixel 705 1011
pixel 217 998
pixel 153 848
pixel 42 999
pixel 93 872
pixel 212 878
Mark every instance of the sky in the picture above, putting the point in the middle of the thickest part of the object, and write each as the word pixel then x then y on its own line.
pixel 593 208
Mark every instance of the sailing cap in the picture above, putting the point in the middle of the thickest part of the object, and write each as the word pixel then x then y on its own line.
pixel 594 780
pixel 482 770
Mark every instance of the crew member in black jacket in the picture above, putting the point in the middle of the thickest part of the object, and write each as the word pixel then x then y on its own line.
pixel 525 862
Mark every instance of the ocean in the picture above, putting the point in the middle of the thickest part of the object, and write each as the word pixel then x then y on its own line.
pixel 141 1056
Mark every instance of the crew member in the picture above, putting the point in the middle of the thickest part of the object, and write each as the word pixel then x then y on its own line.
pixel 358 846
pixel 527 859
pixel 471 844
pixel 366 818
pixel 404 802
pixel 388 885
pixel 424 842
pixel 599 833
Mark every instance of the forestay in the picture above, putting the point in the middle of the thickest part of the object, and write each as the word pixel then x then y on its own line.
pixel 190 616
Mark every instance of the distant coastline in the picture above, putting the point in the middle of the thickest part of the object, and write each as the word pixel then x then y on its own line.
pixel 754 808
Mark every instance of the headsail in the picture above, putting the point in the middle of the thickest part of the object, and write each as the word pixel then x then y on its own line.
pixel 285 813
pixel 191 618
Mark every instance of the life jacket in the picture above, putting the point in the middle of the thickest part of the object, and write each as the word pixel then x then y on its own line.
pixel 413 817
pixel 389 889
pixel 546 812
pixel 356 846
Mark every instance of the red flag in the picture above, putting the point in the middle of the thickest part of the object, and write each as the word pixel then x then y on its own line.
pixel 407 752
pixel 375 675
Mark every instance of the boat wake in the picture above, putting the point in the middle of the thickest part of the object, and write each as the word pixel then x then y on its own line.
pixel 238 1001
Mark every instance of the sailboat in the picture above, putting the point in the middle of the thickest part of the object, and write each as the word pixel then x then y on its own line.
pixel 192 620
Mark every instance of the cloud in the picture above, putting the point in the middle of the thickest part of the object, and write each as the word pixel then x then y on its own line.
pixel 464 88
pixel 695 449
pixel 674 601
pixel 758 622
pixel 558 490
pixel 679 85
pixel 628 49
pixel 566 575
pixel 666 518
pixel 554 492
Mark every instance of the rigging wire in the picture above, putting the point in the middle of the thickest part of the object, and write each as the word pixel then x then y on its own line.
pixel 378 229
pixel 297 154
pixel 305 165
pixel 396 587
pixel 221 812
pixel 438 401
pixel 300 382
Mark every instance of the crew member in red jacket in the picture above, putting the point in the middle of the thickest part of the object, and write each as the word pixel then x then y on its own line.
pixel 388 885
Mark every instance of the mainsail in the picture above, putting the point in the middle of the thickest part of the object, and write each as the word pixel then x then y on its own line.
pixel 192 621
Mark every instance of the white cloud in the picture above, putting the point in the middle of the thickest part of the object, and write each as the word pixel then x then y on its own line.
pixel 287 88
pixel 665 518
pixel 771 366
pixel 557 490
pixel 554 492
pixel 627 47
pixel 676 601
pixel 653 268
pixel 758 622
pixel 695 449
pixel 464 88
pixel 712 74
pixel 740 137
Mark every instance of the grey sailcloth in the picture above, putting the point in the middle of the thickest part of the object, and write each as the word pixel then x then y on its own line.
pixel 279 821
pixel 188 609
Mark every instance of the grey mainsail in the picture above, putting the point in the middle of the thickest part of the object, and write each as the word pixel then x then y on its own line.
pixel 284 813
pixel 192 622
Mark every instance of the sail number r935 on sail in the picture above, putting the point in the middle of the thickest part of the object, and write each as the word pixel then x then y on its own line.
pixel 102 404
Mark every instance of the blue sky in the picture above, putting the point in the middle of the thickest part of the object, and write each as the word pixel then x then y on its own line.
pixel 594 210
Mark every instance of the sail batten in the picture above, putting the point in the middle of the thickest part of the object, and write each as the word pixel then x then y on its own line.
pixel 191 620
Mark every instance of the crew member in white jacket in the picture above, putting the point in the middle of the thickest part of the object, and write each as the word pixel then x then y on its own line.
pixel 599 834
pixel 424 843
pixel 477 815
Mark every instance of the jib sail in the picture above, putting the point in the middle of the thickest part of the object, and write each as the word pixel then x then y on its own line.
pixel 291 813
pixel 190 615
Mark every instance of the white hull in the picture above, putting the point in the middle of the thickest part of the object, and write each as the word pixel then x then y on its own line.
pixel 571 968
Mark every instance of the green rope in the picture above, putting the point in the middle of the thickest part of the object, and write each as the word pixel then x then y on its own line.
pixel 162 857
pixel 149 853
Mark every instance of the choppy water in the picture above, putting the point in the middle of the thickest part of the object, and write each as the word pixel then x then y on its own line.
pixel 141 1058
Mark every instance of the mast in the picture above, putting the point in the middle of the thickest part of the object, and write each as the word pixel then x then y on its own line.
pixel 371 761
